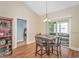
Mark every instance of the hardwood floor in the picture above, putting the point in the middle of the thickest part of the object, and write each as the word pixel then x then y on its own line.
pixel 28 51
pixel 21 43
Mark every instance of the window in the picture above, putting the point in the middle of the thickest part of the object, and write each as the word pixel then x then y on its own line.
pixel 61 27
pixel 64 27
pixel 51 27
pixel 54 28
pixel 58 27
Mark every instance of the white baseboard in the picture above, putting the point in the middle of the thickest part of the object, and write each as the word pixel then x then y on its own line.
pixel 31 42
pixel 14 47
pixel 73 48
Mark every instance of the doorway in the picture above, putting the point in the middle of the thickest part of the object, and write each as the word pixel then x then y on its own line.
pixel 21 32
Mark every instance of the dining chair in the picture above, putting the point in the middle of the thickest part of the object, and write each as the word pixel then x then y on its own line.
pixel 55 45
pixel 41 46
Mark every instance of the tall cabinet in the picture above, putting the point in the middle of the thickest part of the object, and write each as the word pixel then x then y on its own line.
pixel 5 36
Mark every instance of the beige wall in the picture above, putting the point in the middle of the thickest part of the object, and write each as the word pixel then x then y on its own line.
pixel 19 10
pixel 74 13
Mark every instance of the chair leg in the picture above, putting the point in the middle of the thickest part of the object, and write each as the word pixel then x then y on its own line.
pixel 57 52
pixel 60 50
pixel 36 50
pixel 52 49
pixel 41 51
pixel 46 49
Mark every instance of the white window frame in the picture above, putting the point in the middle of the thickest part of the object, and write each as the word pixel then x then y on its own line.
pixel 57 19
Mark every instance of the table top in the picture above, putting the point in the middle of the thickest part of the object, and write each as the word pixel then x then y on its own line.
pixel 49 37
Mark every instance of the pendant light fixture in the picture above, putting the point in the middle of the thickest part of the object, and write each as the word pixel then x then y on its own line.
pixel 46 18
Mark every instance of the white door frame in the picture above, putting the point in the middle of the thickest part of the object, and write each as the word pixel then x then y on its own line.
pixel 14 27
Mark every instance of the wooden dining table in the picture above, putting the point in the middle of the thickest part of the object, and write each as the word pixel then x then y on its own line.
pixel 49 39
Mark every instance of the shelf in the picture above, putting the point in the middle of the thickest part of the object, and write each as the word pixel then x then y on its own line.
pixel 5 36
pixel 2 46
pixel 4 55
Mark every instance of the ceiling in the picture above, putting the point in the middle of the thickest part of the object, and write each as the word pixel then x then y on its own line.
pixel 39 7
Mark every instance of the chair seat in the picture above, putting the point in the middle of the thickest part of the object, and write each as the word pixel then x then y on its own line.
pixel 54 44
pixel 43 44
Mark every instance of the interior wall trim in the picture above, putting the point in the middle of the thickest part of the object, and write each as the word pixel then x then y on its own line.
pixel 73 48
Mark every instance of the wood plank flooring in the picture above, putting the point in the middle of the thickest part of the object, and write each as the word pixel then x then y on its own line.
pixel 28 51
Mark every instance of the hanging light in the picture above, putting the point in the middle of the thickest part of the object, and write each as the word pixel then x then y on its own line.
pixel 46 18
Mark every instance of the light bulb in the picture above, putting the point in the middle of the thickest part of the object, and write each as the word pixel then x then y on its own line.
pixel 49 20
pixel 45 20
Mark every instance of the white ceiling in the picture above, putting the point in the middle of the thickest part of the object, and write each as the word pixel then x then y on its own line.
pixel 39 7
